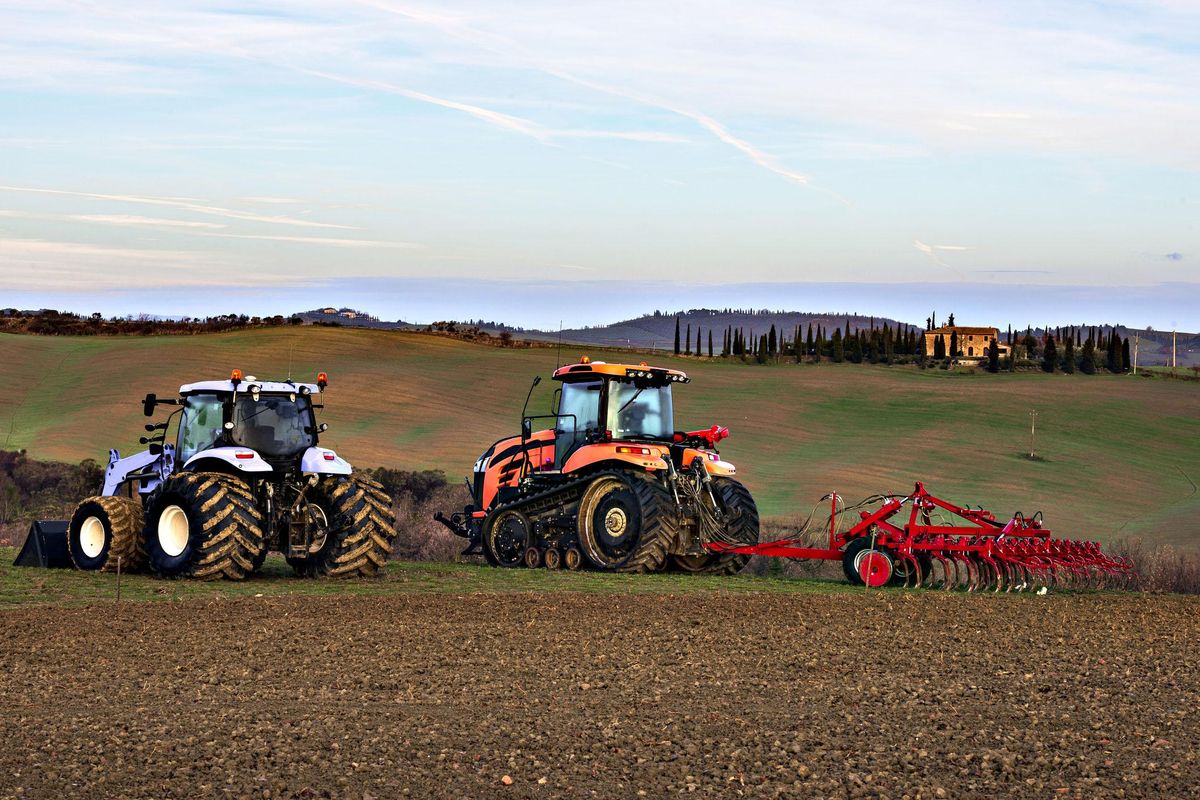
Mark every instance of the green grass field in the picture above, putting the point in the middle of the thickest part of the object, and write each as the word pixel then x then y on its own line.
pixel 1119 455
pixel 24 586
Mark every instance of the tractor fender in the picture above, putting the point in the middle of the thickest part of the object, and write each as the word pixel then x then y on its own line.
pixel 607 455
pixel 713 466
pixel 234 459
pixel 320 461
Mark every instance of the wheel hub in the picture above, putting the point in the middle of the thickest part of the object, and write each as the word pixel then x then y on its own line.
pixel 615 522
pixel 91 537
pixel 173 529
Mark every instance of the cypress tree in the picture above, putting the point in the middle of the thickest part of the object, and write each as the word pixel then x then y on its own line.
pixel 710 350
pixel 1049 356
pixel 953 342
pixel 1114 355
pixel 1125 362
pixel 858 343
pixel 993 357
pixel 772 343
pixel 1087 364
pixel 762 349
pixel 839 354
pixel 677 336
pixel 687 343
pixel 939 347
pixel 1068 359
pixel 698 342
pixel 808 345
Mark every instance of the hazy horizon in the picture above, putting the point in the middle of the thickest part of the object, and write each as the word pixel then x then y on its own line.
pixel 544 304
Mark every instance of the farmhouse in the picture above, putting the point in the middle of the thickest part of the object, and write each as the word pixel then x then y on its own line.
pixel 972 342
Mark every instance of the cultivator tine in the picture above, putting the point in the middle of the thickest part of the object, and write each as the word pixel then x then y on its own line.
pixel 979 554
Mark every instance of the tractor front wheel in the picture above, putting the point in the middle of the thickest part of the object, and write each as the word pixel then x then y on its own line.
pixel 107 531
pixel 203 525
pixel 506 537
pixel 625 523
pixel 361 530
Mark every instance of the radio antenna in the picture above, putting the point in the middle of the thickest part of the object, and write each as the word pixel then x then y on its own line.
pixel 558 355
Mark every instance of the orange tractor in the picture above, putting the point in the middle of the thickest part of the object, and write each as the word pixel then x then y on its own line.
pixel 611 485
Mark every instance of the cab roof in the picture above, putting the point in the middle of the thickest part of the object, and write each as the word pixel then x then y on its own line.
pixel 264 387
pixel 588 368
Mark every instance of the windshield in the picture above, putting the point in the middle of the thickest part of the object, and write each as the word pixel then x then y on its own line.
pixel 640 412
pixel 274 425
pixel 200 425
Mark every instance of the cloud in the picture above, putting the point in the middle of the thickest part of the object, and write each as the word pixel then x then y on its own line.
pixel 46 265
pixel 1174 256
pixel 321 240
pixel 932 250
pixel 185 204
pixel 111 219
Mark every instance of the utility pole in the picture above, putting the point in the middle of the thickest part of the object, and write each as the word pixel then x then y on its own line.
pixel 1033 433
pixel 1173 362
pixel 1136 341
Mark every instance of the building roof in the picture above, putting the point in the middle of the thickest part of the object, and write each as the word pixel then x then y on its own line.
pixel 946 330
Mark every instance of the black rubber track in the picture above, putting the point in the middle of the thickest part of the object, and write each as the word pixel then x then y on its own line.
pixel 745 529
pixel 362 530
pixel 123 522
pixel 226 527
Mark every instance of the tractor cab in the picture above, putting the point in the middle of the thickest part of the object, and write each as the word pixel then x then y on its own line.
pixel 612 402
pixel 252 425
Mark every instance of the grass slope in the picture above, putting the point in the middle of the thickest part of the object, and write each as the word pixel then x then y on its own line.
pixel 1121 453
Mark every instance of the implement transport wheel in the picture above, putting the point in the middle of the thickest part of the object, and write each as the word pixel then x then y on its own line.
pixel 505 539
pixel 626 523
pixel 105 529
pixel 742 514
pixel 552 558
pixel 361 528
pixel 203 525
pixel 875 568
pixel 852 556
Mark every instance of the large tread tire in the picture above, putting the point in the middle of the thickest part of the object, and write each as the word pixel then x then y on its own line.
pixel 362 530
pixel 223 533
pixel 656 521
pixel 107 531
pixel 736 497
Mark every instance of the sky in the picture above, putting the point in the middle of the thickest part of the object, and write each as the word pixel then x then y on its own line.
pixel 544 161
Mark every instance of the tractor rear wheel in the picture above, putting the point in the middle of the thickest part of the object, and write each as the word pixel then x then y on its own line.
pixel 360 533
pixel 742 513
pixel 105 531
pixel 203 525
pixel 626 523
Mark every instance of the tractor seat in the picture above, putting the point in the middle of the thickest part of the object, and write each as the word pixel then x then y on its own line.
pixel 259 437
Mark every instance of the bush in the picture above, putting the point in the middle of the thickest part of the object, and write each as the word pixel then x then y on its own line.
pixel 1162 568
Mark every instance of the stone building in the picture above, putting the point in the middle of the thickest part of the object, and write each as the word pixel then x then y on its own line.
pixel 972 342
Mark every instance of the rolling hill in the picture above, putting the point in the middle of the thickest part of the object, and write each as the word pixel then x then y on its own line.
pixel 1121 454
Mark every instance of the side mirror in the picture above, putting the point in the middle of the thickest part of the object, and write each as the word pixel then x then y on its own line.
pixel 149 403
pixel 526 427
pixel 155 449
pixel 322 428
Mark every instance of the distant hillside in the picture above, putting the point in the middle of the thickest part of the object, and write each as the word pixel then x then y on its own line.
pixel 657 330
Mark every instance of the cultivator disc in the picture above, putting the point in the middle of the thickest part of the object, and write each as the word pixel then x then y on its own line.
pixel 971 552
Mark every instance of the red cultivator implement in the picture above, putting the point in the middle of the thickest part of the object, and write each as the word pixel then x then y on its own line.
pixel 977 552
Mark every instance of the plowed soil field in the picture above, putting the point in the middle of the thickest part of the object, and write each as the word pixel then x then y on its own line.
pixel 561 694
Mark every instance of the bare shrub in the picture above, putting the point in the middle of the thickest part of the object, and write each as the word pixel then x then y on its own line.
pixel 418 536
pixel 1162 568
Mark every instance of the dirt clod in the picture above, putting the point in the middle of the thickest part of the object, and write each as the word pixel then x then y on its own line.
pixel 712 695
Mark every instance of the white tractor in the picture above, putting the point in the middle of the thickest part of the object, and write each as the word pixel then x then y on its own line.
pixel 245 475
